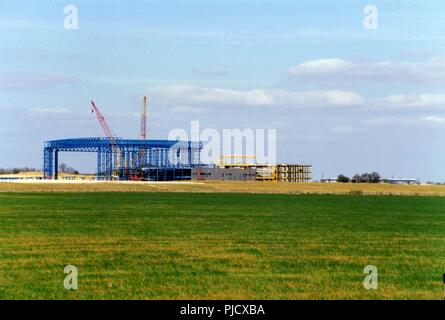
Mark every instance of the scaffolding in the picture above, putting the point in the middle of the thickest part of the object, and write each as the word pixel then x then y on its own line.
pixel 267 172
pixel 155 153
pixel 293 172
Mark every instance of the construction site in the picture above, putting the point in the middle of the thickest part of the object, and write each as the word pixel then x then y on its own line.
pixel 146 159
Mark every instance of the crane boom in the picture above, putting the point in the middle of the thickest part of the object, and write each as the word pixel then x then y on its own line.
pixel 102 122
pixel 143 133
pixel 108 133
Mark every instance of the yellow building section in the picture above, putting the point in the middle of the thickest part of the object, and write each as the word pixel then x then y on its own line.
pixel 293 172
pixel 236 160
pixel 266 172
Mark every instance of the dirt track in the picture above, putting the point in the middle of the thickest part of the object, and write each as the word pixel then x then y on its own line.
pixel 226 186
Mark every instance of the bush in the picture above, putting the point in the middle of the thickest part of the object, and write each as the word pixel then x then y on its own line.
pixel 343 179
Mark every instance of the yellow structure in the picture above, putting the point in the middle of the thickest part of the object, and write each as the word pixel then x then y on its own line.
pixel 236 160
pixel 293 172
pixel 266 172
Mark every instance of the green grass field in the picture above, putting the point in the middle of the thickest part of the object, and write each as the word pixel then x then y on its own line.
pixel 220 246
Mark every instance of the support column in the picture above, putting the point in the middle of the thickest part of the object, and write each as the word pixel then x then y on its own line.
pixel 163 164
pixel 99 168
pixel 48 163
pixel 189 154
pixel 56 164
pixel 104 164
pixel 109 163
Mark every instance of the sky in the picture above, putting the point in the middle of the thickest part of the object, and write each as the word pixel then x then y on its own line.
pixel 344 98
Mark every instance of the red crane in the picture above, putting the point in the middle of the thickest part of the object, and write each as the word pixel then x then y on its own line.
pixel 102 122
pixel 107 132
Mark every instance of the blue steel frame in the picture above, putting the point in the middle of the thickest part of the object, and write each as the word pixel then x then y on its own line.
pixel 134 154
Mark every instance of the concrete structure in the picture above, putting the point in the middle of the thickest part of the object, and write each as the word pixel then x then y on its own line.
pixel 267 172
pixel 165 174
pixel 234 174
pixel 22 176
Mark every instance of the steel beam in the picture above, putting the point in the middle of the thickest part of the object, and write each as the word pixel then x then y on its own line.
pixel 158 153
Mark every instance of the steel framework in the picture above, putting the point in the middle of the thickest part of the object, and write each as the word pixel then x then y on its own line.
pixel 155 153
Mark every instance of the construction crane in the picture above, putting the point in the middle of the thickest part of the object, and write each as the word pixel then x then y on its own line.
pixel 143 130
pixel 108 134
pixel 143 133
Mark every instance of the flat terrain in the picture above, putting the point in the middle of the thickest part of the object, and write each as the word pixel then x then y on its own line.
pixel 220 245
pixel 224 186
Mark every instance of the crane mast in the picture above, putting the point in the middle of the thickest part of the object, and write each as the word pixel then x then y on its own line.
pixel 143 133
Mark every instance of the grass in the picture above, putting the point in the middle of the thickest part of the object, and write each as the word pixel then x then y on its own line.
pixel 220 246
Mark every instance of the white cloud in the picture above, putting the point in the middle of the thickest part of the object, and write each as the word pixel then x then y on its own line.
pixel 193 96
pixel 415 101
pixel 405 121
pixel 433 119
pixel 321 66
pixel 198 95
pixel 431 72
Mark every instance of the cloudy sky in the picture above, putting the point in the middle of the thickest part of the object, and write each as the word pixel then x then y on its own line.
pixel 342 97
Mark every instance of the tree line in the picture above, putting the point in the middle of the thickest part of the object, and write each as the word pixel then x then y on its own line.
pixel 17 170
pixel 373 177
pixel 65 169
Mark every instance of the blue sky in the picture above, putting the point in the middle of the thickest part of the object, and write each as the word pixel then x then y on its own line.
pixel 342 98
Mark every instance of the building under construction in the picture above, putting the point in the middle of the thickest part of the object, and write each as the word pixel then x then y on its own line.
pixel 163 160
pixel 223 174
pixel 267 172
pixel 126 158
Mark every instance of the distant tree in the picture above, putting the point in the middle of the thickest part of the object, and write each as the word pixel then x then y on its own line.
pixel 356 178
pixel 375 177
pixel 365 177
pixel 71 170
pixel 343 178
pixel 62 167
pixel 17 170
